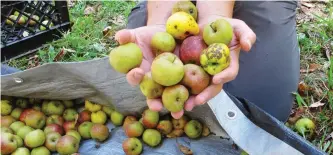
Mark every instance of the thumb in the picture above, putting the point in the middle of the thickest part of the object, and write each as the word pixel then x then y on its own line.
pixel 125 36
pixel 245 35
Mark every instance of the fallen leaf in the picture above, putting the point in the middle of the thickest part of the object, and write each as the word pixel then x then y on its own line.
pixel 296 115
pixel 60 55
pixel 185 149
pixel 89 10
pixel 312 68
pixel 316 104
pixel 309 5
pixel 33 61
pixel 303 88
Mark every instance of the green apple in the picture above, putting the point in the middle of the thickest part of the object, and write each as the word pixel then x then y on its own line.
pixel 150 118
pixel 55 108
pixel 45 22
pixel 51 140
pixel 19 140
pixel 117 118
pixel 45 107
pixel 218 31
pixel 84 129
pixel 35 119
pixel 74 133
pixel 16 113
pixel 151 137
pixel 162 42
pixel 185 6
pixel 70 114
pixel 21 151
pixel 193 129
pixel 98 117
pixel 174 97
pixel 22 103
pixel 128 120
pixel 67 145
pixel 167 69
pixel 134 129
pixel 6 130
pixel 16 126
pixel 99 132
pixel 34 138
pixel 55 119
pixel 6 121
pixel 68 103
pixel 179 123
pixel 305 126
pixel 125 57
pixel 23 131
pixel 42 150
pixel 164 126
pixel 108 110
pixel 132 146
pixel 54 128
pixel 8 143
pixel 150 88
pixel 215 58
pixel 6 107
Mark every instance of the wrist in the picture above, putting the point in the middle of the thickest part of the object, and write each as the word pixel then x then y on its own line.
pixel 158 12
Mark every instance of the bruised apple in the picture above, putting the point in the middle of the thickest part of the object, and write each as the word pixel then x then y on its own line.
pixel 190 50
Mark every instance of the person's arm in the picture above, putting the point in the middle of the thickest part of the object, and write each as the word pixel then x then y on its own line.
pixel 159 12
pixel 213 9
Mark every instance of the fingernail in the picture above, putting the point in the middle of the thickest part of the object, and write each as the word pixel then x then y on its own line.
pixel 249 43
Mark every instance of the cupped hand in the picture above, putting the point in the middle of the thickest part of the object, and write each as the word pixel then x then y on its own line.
pixel 243 38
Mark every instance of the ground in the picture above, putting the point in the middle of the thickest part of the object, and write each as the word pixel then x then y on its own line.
pixel 313 100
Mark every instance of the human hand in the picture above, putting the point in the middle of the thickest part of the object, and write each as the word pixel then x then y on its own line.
pixel 243 38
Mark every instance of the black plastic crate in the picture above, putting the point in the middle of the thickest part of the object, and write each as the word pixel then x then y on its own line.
pixel 27 25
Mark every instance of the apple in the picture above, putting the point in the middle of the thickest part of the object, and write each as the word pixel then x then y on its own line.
pixel 150 118
pixel 162 42
pixel 98 117
pixel 70 114
pixel 70 125
pixel 193 129
pixel 45 105
pixel 174 97
pixel 55 107
pixel 68 103
pixel 6 121
pixel 42 150
pixel 117 118
pixel 16 113
pixel 151 137
pixel 22 103
pixel 99 132
pixel 21 151
pixel 134 129
pixel 84 116
pixel 108 110
pixel 92 107
pixel 205 130
pixel 132 146
pixel 175 133
pixel 35 119
pixel 26 112
pixel 23 131
pixel 215 58
pixel 190 50
pixel 84 129
pixel 167 69
pixel 67 144
pixel 8 143
pixel 19 140
pixel 150 88
pixel 6 130
pixel 305 126
pixel 182 25
pixel 164 126
pixel 185 6
pixel 54 128
pixel 34 138
pixel 129 119
pixel 16 126
pixel 6 107
pixel 51 140
pixel 55 119
pixel 125 57
pixel 218 31
pixel 75 134
pixel 179 123
pixel 195 79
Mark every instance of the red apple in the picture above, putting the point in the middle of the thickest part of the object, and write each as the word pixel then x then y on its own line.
pixel 54 128
pixel 67 145
pixel 195 79
pixel 191 48
pixel 25 112
pixel 55 119
pixel 70 125
pixel 6 121
pixel 128 120
pixel 35 119
pixel 84 116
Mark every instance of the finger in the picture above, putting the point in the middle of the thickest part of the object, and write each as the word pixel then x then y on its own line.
pixel 207 94
pixel 189 104
pixel 155 104
pixel 177 115
pixel 230 72
pixel 125 36
pixel 135 76
pixel 245 34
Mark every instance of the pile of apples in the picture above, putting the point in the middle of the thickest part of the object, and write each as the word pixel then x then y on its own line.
pixel 151 128
pixel 173 78
pixel 26 18
pixel 41 127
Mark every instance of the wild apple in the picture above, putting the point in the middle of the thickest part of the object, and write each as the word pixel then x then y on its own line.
pixel 164 126
pixel 305 126
pixel 71 125
pixel 6 130
pixel 22 103
pixel 132 146
pixel 218 31
pixel 16 126
pixel 91 106
pixel 84 129
pixel 190 50
pixel 98 117
pixel 21 151
pixel 107 109
pixel 34 138
pixel 70 114
pixel 55 119
pixel 134 129
pixel 175 133
pixel 128 119
pixel 150 118
pixel 16 113
pixel 117 118
pixel 162 42
pixel 54 128
pixel 215 58
pixel 26 112
pixel 84 116
pixel 51 140
pixel 99 132
pixel 42 150
pixel 67 144
pixel 181 25
pixel 23 131
pixel 205 130
pixel 195 79
pixel 35 119
pixel 193 129
pixel 36 107
pixel 151 137
pixel 6 121
pixel 6 107
pixel 174 97
pixel 180 123
pixel 185 6
pixel 19 140
pixel 8 143
pixel 55 107
pixel 75 134
pixel 150 88
pixel 68 103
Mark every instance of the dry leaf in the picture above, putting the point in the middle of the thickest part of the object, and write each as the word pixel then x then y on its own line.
pixel 296 115
pixel 185 149
pixel 303 88
pixel 316 104
pixel 312 68
pixel 33 61
pixel 89 10
pixel 309 5
pixel 60 55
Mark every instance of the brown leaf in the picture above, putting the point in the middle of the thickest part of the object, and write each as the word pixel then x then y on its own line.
pixel 60 55
pixel 295 116
pixel 89 10
pixel 185 149
pixel 312 68
pixel 33 61
pixel 303 88
pixel 316 104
